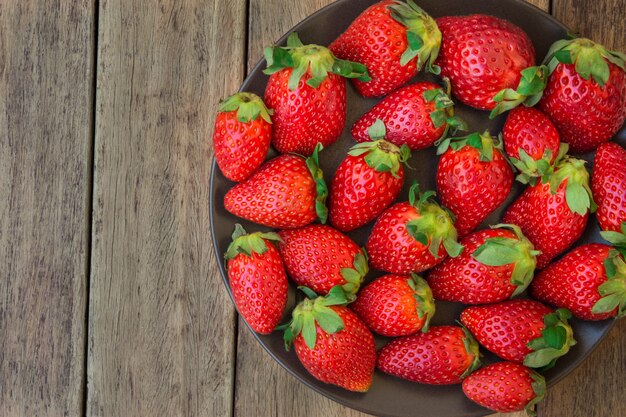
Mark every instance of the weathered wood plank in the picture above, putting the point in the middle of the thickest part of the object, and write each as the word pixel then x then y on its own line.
pixel 46 79
pixel 161 327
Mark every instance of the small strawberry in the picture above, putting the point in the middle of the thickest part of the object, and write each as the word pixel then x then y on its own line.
pixel 482 55
pixel 319 257
pixel 553 215
pixel 506 387
pixel 416 115
pixel 307 92
pixel 396 305
pixel 367 181
pixel 496 264
pixel 412 236
pixel 473 178
pixel 608 183
pixel 257 278
pixel 444 355
pixel 286 192
pixel 394 40
pixel 331 342
pixel 522 331
pixel 240 137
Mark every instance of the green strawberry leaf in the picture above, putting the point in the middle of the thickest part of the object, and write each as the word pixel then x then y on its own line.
pixel 425 302
pixel 321 189
pixel 555 341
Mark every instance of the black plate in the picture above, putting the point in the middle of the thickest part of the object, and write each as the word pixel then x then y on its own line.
pixel 391 396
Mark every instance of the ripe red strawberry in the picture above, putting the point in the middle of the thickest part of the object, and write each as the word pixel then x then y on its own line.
pixel 496 264
pixel 522 331
pixel 396 305
pixel 532 143
pixel 331 342
pixel 286 192
pixel 394 40
pixel 307 92
pixel 416 115
pixel 586 93
pixel 367 181
pixel 257 278
pixel 444 355
pixel 482 55
pixel 412 236
pixel 473 178
pixel 319 257
pixel 553 215
pixel 608 183
pixel 240 137
pixel 506 387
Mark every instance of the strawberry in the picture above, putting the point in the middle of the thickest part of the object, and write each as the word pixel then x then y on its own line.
pixel 307 92
pixel 257 278
pixel 444 355
pixel 522 331
pixel 394 40
pixel 608 183
pixel 473 178
pixel 331 342
pixel 396 305
pixel 496 264
pixel 412 236
pixel 416 115
pixel 367 181
pixel 319 257
pixel 553 215
pixel 286 192
pixel 506 387
pixel 482 55
pixel 241 138
pixel 532 143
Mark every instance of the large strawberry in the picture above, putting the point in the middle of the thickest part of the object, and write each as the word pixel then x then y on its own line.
pixel 367 181
pixel 396 305
pixel 482 55
pixel 257 278
pixel 320 257
pixel 522 331
pixel 506 387
pixel 496 264
pixel 286 192
pixel 412 236
pixel 553 215
pixel 307 92
pixel 608 183
pixel 444 355
pixel 416 115
pixel 331 342
pixel 394 40
pixel 473 178
pixel 241 136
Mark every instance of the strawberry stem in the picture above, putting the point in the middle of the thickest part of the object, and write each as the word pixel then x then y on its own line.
pixel 381 155
pixel 577 192
pixel 247 244
pixel 312 163
pixel 249 107
pixel 529 91
pixel 424 299
pixel 556 339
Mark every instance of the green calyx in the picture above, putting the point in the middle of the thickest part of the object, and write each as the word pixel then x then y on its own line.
pixel 249 107
pixel 617 239
pixel 354 276
pixel 435 226
pixel 577 192
pixel 471 347
pixel 423 35
pixel 528 92
pixel 531 170
pixel 539 388
pixel 444 111
pixel 613 291
pixel 314 310
pixel 312 162
pixel 519 252
pixel 590 59
pixel 424 299
pixel 484 143
pixel 315 59
pixel 247 244
pixel 556 339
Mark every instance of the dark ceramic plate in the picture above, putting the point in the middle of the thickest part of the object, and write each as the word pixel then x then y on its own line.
pixel 391 396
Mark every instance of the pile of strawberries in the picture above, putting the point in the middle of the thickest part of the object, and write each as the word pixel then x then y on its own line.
pixel 576 100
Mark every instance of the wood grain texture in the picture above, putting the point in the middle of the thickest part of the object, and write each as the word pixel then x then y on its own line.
pixel 46 122
pixel 161 327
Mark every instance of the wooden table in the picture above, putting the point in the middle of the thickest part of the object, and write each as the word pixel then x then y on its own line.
pixel 110 298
